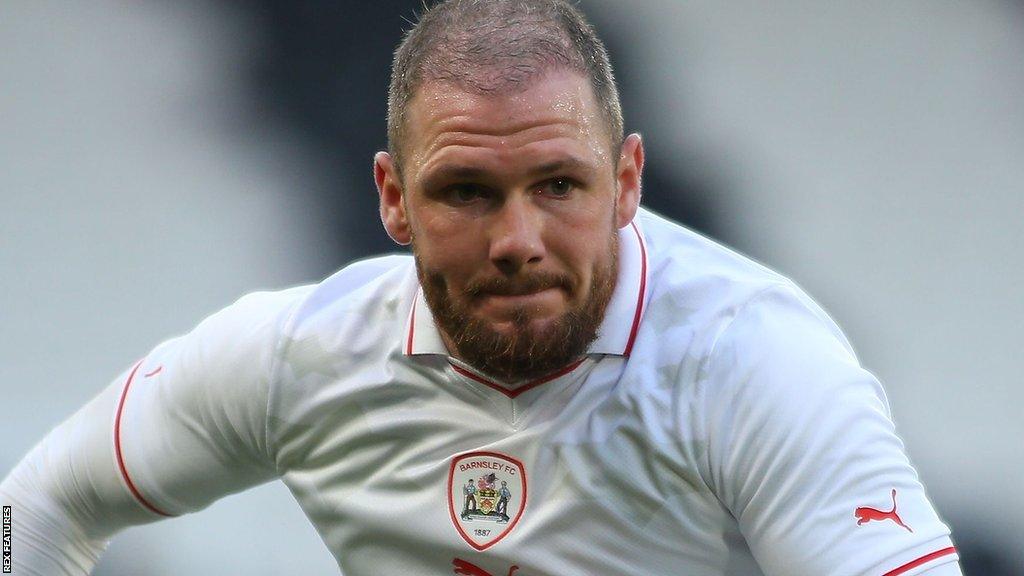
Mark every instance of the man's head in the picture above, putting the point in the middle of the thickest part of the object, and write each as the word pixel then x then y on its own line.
pixel 498 46
pixel 503 177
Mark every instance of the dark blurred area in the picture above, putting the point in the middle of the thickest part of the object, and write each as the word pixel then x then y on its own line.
pixel 324 71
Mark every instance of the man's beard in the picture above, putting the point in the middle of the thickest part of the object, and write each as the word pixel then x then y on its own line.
pixel 524 352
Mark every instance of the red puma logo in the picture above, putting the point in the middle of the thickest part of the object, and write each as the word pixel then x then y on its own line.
pixel 470 569
pixel 865 514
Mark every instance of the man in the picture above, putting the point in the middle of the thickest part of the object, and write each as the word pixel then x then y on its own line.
pixel 503 495
pixel 469 491
pixel 651 402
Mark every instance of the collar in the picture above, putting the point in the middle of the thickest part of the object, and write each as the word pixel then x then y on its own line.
pixel 621 320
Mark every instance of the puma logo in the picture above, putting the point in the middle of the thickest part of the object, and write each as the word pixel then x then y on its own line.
pixel 865 514
pixel 154 372
pixel 470 569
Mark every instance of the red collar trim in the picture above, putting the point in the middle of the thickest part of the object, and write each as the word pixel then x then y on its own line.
pixel 625 308
pixel 521 389
pixel 412 324
pixel 640 293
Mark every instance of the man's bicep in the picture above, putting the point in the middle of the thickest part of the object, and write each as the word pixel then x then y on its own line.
pixel 191 417
pixel 949 569
pixel 805 454
pixel 179 429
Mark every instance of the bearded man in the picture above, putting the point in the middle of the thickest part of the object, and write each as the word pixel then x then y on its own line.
pixel 649 401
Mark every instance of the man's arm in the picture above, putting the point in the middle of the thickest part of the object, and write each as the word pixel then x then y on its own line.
pixel 804 453
pixel 184 426
pixel 950 569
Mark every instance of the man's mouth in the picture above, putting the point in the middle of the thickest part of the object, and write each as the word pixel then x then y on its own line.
pixel 511 302
pixel 517 291
pixel 519 294
pixel 514 288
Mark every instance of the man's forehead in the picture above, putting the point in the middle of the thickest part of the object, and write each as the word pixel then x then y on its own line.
pixel 559 92
pixel 558 105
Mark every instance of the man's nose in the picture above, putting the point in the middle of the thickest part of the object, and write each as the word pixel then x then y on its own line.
pixel 515 234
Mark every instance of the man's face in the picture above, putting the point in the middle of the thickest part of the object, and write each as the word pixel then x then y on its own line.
pixel 511 203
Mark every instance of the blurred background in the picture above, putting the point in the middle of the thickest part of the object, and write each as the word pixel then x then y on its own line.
pixel 158 159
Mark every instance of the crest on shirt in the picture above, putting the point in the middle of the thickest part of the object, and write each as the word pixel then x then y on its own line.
pixel 486 496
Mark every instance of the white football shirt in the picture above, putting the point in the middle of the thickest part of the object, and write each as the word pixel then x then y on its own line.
pixel 719 425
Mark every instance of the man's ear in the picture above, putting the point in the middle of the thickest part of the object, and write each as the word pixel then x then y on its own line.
pixel 628 176
pixel 392 208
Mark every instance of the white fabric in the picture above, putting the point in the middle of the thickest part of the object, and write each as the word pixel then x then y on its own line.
pixel 947 569
pixel 738 436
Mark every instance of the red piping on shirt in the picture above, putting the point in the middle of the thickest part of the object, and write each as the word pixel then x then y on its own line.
pixel 922 560
pixel 640 297
pixel 521 389
pixel 636 315
pixel 117 448
pixel 412 326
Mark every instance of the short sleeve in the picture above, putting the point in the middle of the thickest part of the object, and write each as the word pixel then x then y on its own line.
pixel 184 426
pixel 191 421
pixel 804 453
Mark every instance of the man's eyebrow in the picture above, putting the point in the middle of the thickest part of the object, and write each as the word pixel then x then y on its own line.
pixel 567 164
pixel 457 172
pixel 464 172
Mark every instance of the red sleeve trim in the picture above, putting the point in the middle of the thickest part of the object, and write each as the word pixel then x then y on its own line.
pixel 117 447
pixel 922 560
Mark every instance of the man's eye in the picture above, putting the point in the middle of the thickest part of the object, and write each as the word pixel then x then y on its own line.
pixel 559 187
pixel 466 192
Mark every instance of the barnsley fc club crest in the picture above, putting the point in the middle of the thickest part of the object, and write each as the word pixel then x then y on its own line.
pixel 486 496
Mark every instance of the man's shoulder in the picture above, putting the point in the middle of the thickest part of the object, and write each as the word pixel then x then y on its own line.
pixel 699 272
pixel 348 285
pixel 368 283
pixel 683 255
pixel 372 283
pixel 370 274
pixel 698 286
pixel 265 313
